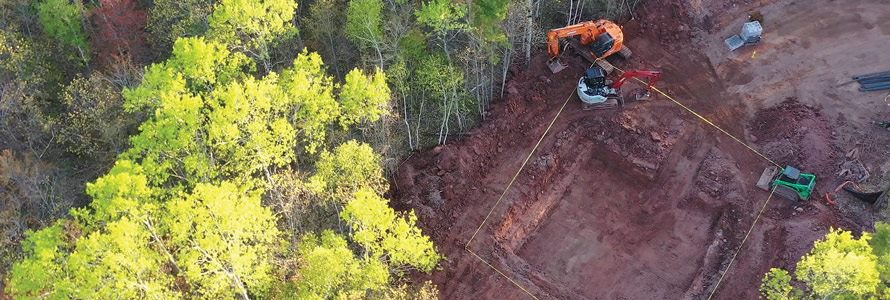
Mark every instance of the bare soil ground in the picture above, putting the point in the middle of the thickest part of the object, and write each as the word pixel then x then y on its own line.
pixel 647 201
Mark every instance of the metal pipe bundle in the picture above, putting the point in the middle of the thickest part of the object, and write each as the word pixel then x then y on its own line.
pixel 874 81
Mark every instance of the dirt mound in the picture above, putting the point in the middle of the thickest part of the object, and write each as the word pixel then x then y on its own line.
pixel 717 181
pixel 798 135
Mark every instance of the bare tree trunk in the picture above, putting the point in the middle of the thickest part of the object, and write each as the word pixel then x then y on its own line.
pixel 460 123
pixel 570 16
pixel 379 55
pixel 405 118
pixel 508 59
pixel 444 118
pixel 419 117
pixel 489 81
pixel 530 21
pixel 334 55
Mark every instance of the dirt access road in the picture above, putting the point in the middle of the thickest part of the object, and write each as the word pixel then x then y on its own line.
pixel 648 202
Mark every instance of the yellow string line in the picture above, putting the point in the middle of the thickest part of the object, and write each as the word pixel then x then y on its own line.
pixel 728 267
pixel 535 148
pixel 502 273
pixel 759 214
pixel 504 193
pixel 706 120
pixel 550 126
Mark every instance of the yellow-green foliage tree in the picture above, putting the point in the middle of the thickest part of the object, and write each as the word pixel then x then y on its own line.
pixel 364 98
pixel 330 270
pixel 776 285
pixel 252 26
pixel 391 243
pixel 351 167
pixel 880 244
pixel 386 235
pixel 840 266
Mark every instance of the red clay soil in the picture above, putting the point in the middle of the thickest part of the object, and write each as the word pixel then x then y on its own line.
pixel 642 202
pixel 796 133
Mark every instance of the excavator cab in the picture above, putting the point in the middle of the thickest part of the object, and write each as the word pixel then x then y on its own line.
pixel 595 78
pixel 602 44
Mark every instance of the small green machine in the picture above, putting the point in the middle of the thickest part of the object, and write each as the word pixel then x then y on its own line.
pixel 790 183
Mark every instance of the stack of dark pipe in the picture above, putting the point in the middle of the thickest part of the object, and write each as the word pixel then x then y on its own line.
pixel 874 81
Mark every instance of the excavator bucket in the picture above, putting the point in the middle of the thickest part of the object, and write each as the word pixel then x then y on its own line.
pixel 556 66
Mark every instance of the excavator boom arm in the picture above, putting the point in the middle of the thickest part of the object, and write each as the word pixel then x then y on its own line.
pixel 652 76
pixel 587 31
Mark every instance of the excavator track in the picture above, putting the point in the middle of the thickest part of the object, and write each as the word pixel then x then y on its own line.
pixel 610 103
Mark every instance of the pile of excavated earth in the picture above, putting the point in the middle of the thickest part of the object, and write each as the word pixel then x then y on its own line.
pixel 648 201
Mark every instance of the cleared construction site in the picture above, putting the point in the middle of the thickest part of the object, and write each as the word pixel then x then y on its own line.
pixel 656 199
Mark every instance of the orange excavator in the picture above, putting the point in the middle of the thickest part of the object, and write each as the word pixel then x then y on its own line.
pixel 596 41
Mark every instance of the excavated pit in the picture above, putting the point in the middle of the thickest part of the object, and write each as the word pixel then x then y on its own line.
pixel 649 201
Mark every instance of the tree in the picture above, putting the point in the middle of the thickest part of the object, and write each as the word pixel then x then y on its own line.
pixel 488 15
pixel 839 266
pixel 413 46
pixel 114 195
pixel 169 20
pixel 40 273
pixel 391 243
pixel 313 90
pixel 364 98
pixel 251 26
pixel 351 167
pixel 441 15
pixel 386 235
pixel 63 20
pixel 22 63
pixel 117 262
pixel 323 30
pixel 113 263
pixel 422 291
pixel 93 123
pixel 776 285
pixel 171 143
pixel 34 194
pixel 119 32
pixel 181 215
pixel 364 25
pixel 444 17
pixel 224 240
pixel 217 241
pixel 329 269
pixel 441 78
pixel 880 244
